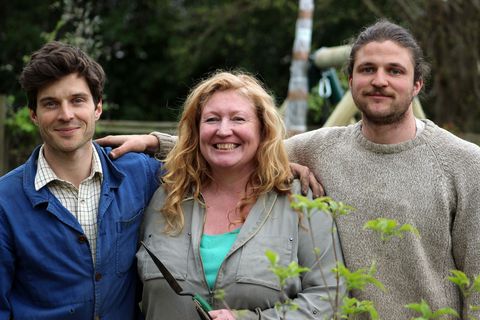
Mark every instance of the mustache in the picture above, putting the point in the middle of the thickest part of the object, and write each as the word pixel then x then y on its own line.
pixel 379 92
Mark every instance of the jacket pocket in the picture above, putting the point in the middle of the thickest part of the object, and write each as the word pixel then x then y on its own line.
pixel 126 242
pixel 173 252
pixel 254 267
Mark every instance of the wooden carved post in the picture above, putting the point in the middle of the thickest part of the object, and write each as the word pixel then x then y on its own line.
pixel 296 103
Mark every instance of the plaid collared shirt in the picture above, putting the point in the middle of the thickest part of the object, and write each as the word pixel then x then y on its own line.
pixel 81 202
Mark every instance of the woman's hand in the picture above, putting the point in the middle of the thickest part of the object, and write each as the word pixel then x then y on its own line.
pixel 221 314
pixel 129 143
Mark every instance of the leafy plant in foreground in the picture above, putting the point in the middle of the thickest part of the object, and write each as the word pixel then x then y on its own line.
pixel 389 228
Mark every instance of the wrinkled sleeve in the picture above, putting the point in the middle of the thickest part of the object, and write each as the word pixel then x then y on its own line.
pixel 7 270
pixel 166 143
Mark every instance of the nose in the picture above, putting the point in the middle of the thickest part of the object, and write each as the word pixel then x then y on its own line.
pixel 224 128
pixel 379 79
pixel 66 112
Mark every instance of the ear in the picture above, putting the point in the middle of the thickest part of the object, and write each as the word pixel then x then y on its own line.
pixel 417 86
pixel 350 82
pixel 33 116
pixel 98 110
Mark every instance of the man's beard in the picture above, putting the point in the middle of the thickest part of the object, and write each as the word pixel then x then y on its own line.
pixel 398 110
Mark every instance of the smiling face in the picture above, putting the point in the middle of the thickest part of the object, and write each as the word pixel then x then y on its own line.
pixel 66 115
pixel 229 132
pixel 382 82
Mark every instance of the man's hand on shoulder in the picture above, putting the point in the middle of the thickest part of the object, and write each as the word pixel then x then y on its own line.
pixel 307 179
pixel 122 144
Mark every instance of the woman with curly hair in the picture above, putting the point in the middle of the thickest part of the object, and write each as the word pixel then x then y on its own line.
pixel 224 201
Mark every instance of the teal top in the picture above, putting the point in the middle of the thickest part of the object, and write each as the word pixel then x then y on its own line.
pixel 213 249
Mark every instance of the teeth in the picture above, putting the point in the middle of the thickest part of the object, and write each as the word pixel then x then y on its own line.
pixel 225 146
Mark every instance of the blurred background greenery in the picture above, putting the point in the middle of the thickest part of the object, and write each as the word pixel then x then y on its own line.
pixel 154 51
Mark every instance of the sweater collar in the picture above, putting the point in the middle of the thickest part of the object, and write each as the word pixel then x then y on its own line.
pixel 392 148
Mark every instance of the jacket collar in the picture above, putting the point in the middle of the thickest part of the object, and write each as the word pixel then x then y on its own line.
pixel 112 176
pixel 257 216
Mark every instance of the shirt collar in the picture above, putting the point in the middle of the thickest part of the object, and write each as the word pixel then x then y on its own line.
pixel 45 174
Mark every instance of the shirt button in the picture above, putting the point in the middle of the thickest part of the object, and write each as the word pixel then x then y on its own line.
pixel 98 276
pixel 82 238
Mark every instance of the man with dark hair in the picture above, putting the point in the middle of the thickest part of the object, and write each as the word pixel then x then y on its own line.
pixel 69 216
pixel 395 166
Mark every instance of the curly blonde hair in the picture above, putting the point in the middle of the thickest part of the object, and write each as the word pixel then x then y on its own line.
pixel 187 170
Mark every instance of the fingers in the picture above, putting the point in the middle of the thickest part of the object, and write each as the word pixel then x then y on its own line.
pixel 111 141
pixel 119 151
pixel 303 173
pixel 316 186
pixel 305 180
pixel 222 314
pixel 127 143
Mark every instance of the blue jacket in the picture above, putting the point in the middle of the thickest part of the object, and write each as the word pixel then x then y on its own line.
pixel 46 269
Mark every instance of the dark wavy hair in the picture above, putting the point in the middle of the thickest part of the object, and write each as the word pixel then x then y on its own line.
pixel 56 60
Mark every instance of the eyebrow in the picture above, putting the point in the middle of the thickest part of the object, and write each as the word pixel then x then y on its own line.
pixel 74 95
pixel 396 65
pixel 390 65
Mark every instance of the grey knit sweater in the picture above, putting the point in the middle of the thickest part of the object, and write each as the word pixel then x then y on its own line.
pixel 432 182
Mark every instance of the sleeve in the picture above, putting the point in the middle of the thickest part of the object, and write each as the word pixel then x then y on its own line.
pixel 166 143
pixel 465 235
pixel 319 286
pixel 7 269
pixel 292 145
pixel 299 147
pixel 154 172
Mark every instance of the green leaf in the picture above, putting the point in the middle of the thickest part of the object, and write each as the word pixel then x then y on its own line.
pixel 389 228
pixel 272 257
pixel 461 280
pixel 445 311
pixel 352 306
pixel 476 284
pixel 423 308
pixel 426 312
pixel 360 278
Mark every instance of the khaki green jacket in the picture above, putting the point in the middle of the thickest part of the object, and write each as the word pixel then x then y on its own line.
pixel 244 274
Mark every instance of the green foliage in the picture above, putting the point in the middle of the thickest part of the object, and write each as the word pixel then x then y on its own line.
pixel 466 286
pixel 352 307
pixel 426 312
pixel 389 228
pixel 18 122
pixel 325 204
pixel 21 134
pixel 317 106
pixel 357 280
pixel 77 25
pixel 284 273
